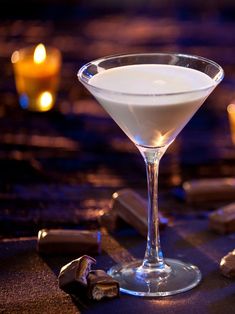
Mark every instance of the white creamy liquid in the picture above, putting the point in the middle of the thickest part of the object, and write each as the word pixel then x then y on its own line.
pixel 136 97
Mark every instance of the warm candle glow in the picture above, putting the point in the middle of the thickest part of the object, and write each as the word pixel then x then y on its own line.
pixel 45 101
pixel 231 116
pixel 231 108
pixel 37 71
pixel 15 56
pixel 39 54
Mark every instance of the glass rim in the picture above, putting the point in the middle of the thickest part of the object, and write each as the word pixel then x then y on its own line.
pixel 195 57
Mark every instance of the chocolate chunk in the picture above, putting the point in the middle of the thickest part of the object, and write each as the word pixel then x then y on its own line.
pixel 73 276
pixel 101 285
pixel 133 209
pixel 204 190
pixel 227 265
pixel 111 221
pixel 222 220
pixel 59 241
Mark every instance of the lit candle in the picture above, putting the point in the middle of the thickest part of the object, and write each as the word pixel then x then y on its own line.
pixel 37 76
pixel 231 116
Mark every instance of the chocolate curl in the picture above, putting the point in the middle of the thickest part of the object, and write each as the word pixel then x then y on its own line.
pixel 101 285
pixel 133 209
pixel 73 276
pixel 222 220
pixel 59 241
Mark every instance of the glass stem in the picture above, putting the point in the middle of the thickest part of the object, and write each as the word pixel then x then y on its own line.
pixel 153 258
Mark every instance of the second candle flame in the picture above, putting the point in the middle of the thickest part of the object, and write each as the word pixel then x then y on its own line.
pixel 39 54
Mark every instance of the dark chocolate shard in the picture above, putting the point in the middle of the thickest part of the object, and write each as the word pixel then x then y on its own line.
pixel 73 276
pixel 133 209
pixel 227 265
pixel 101 285
pixel 208 190
pixel 111 221
pixel 60 241
pixel 222 220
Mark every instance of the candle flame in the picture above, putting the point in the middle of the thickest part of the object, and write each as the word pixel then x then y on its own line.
pixel 45 101
pixel 39 54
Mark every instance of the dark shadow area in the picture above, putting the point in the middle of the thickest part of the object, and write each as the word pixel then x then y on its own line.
pixel 227 302
pixel 62 9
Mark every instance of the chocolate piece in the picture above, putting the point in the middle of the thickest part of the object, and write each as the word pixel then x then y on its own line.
pixel 227 265
pixel 223 219
pixel 111 221
pixel 203 190
pixel 101 285
pixel 59 241
pixel 133 209
pixel 73 276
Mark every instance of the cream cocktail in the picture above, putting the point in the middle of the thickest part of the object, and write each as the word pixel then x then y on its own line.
pixel 152 97
pixel 151 121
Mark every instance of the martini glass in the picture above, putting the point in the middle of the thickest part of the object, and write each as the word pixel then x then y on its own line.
pixel 152 97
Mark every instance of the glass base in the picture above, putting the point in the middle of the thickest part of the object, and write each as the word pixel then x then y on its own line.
pixel 135 280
